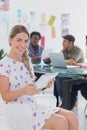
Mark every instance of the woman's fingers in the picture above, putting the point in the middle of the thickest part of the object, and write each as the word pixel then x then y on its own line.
pixel 50 83
pixel 31 89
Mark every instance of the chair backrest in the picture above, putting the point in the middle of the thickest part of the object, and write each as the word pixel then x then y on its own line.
pixel 19 116
pixel 15 116
pixel 3 120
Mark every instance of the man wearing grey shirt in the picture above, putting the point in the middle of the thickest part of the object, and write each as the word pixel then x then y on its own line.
pixel 73 54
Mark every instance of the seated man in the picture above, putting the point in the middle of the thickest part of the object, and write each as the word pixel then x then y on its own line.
pixel 36 50
pixel 73 55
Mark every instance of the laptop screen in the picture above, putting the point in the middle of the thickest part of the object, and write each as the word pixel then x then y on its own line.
pixel 58 60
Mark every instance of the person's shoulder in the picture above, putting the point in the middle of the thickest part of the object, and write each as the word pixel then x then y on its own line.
pixel 3 60
pixel 4 63
pixel 5 67
pixel 77 48
pixel 41 47
pixel 63 50
pixel 29 46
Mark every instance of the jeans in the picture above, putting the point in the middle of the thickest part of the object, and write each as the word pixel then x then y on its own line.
pixel 84 91
pixel 59 84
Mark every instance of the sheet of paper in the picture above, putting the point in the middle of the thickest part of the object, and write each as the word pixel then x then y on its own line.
pixel 44 79
pixel 53 32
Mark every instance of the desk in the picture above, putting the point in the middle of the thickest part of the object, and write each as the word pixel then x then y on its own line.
pixel 76 76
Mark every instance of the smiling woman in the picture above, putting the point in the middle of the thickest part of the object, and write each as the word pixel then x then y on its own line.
pixel 18 40
pixel 17 86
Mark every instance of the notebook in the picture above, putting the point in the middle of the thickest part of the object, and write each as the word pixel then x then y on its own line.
pixel 58 60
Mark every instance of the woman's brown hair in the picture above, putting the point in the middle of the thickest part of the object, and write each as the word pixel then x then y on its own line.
pixel 25 58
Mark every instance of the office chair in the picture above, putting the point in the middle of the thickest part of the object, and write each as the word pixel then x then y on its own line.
pixel 19 116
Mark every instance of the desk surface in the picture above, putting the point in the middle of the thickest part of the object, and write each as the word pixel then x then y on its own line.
pixel 75 77
pixel 64 72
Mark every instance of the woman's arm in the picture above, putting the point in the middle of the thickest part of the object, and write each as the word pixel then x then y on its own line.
pixel 8 95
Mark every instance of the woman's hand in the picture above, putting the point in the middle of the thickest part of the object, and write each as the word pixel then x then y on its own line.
pixel 31 89
pixel 50 83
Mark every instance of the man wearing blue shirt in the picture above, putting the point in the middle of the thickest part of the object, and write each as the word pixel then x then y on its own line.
pixel 35 50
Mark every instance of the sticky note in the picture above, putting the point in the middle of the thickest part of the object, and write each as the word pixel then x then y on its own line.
pixel 53 32
pixel 43 18
pixel 51 20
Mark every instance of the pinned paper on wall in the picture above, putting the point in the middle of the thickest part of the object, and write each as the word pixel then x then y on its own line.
pixel 65 19
pixel 28 26
pixel 65 31
pixel 25 19
pixel 43 18
pixel 4 11
pixel 43 28
pixel 51 20
pixel 4 5
pixel 53 32
pixel 32 16
pixel 43 41
pixel 19 15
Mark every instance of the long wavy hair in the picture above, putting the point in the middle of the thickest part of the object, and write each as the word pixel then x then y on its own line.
pixel 25 58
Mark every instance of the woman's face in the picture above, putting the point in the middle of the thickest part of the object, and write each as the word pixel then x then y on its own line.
pixel 19 43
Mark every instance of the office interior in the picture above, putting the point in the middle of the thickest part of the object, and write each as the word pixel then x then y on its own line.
pixel 68 18
pixel 53 19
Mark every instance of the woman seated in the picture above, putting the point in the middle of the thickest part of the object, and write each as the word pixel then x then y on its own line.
pixel 17 85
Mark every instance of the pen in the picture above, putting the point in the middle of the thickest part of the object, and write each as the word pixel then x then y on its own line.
pixel 43 88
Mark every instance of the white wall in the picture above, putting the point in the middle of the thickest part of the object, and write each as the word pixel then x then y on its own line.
pixel 78 18
pixel 4 30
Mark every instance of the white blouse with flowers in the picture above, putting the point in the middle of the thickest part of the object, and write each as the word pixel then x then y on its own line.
pixel 19 77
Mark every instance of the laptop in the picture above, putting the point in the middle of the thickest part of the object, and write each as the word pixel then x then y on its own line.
pixel 58 60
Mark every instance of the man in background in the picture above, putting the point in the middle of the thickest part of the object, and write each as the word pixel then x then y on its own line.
pixel 35 50
pixel 73 54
